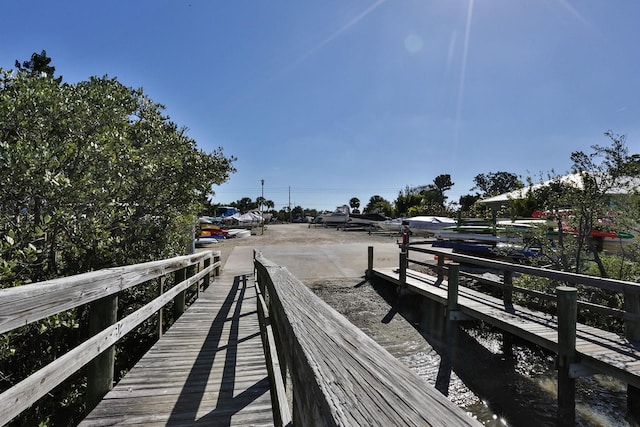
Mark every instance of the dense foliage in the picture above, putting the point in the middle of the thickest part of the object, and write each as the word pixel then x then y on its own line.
pixel 92 175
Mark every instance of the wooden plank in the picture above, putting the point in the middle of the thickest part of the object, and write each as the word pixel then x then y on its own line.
pixel 562 276
pixel 208 368
pixel 602 351
pixel 25 304
pixel 339 375
pixel 282 412
pixel 25 393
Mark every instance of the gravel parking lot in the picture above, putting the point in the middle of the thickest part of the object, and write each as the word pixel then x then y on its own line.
pixel 304 235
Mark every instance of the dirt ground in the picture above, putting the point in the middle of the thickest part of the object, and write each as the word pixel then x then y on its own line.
pixel 373 308
pixel 370 307
pixel 286 234
pixel 367 306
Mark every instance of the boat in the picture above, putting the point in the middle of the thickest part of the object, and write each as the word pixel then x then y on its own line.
pixel 340 216
pixel 446 234
pixel 427 225
pixel 205 242
pixel 366 219
pixel 239 233
pixel 505 232
pixel 213 231
pixel 227 211
pixel 488 249
pixel 391 225
pixel 505 239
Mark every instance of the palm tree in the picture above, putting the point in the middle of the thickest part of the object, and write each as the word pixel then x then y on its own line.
pixel 269 204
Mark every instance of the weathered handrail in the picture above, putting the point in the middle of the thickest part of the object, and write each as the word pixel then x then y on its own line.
pixel 25 304
pixel 338 375
pixel 599 351
pixel 629 290
pixel 281 411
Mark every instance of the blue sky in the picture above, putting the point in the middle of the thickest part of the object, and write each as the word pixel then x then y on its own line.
pixel 334 99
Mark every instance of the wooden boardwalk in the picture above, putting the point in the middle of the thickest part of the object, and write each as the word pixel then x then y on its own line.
pixel 208 369
pixel 598 351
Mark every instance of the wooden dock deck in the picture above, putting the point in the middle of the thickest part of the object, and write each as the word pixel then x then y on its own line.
pixel 208 369
pixel 598 351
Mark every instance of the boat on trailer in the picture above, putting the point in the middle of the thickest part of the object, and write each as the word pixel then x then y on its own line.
pixel 427 225
pixel 366 219
pixel 340 216
pixel 391 225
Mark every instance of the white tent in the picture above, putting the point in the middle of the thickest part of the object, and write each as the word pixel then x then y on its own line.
pixel 249 218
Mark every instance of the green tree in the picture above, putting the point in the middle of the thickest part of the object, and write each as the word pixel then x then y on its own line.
pixel 407 199
pixel 466 203
pixel 587 203
pixel 425 199
pixel 297 212
pixel 260 202
pixel 380 204
pixel 354 203
pixel 92 175
pixel 245 204
pixel 603 171
pixel 269 204
pixel 39 66
pixel 441 184
pixel 495 183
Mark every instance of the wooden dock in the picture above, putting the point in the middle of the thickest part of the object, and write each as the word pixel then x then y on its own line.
pixel 598 351
pixel 208 369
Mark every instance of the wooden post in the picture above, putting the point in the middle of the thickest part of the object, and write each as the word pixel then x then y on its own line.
pixel 632 327
pixel 405 240
pixel 195 269
pixel 452 288
pixel 369 262
pixel 507 345
pixel 440 269
pixel 507 292
pixel 403 272
pixel 633 400
pixel 102 313
pixel 632 333
pixel 567 315
pixel 450 329
pixel 207 278
pixel 192 270
pixel 216 271
pixel 179 303
pixel 160 312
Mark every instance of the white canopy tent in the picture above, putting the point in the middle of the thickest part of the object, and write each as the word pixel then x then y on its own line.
pixel 246 219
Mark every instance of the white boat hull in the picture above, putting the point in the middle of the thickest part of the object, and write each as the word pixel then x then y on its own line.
pixel 427 225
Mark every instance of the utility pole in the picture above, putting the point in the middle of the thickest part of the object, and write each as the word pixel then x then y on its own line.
pixel 262 203
pixel 290 220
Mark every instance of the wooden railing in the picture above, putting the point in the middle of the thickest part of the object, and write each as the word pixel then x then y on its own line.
pixel 600 351
pixel 332 372
pixel 629 291
pixel 26 304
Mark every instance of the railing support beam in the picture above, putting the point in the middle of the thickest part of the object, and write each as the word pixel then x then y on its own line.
pixel 567 317
pixel 179 302
pixel 103 313
pixel 402 273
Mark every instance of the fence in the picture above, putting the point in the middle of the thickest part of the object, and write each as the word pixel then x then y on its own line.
pixel 26 304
